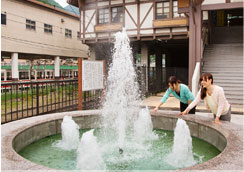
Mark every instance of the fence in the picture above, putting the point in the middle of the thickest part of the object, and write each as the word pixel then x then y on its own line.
pixel 26 99
pixel 158 77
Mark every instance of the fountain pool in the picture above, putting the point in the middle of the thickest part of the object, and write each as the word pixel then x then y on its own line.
pixel 134 157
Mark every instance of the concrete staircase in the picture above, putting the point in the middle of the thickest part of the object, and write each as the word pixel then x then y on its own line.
pixel 225 63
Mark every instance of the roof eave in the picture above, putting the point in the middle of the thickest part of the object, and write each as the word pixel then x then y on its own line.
pixel 73 2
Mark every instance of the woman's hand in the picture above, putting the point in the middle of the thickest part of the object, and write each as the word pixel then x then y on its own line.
pixel 155 109
pixel 216 121
pixel 185 112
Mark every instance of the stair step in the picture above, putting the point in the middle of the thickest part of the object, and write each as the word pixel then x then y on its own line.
pixel 228 84
pixel 237 69
pixel 232 101
pixel 234 89
pixel 234 82
pixel 234 97
pixel 232 78
pixel 223 72
pixel 227 75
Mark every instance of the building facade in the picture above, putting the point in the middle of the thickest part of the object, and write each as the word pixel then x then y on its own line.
pixel 37 35
pixel 163 33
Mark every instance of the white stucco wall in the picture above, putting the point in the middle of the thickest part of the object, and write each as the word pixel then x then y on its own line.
pixel 129 24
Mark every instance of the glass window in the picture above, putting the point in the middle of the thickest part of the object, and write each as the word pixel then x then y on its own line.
pixel 68 33
pixel 175 10
pixel 48 28
pixel 3 19
pixel 30 24
pixel 162 10
pixel 103 16
pixel 117 15
pixel 78 35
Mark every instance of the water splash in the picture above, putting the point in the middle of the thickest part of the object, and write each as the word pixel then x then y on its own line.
pixel 70 134
pixel 143 127
pixel 181 155
pixel 122 98
pixel 89 156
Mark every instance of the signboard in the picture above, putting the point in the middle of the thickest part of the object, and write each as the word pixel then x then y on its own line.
pixel 92 75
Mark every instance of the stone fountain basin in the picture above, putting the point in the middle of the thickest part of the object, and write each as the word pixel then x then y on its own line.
pixel 227 137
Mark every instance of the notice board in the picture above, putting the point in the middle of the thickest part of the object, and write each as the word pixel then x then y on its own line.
pixel 92 75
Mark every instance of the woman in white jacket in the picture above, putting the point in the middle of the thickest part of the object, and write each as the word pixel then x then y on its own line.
pixel 214 99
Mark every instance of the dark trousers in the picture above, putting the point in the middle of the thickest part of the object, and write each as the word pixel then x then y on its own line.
pixel 225 117
pixel 183 107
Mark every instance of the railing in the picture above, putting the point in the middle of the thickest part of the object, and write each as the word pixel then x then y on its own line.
pixel 158 77
pixel 195 79
pixel 27 99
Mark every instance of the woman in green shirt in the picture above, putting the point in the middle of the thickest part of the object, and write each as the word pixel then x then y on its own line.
pixel 179 91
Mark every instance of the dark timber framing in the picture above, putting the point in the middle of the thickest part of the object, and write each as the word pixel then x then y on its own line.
pixel 193 21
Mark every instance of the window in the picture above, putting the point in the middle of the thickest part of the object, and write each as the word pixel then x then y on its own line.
pixel 30 24
pixel 3 18
pixel 48 28
pixel 175 10
pixel 117 15
pixel 162 10
pixel 68 33
pixel 78 35
pixel 103 16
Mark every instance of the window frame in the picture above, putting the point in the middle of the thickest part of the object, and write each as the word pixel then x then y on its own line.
pixel 30 24
pixel 121 14
pixel 48 28
pixel 103 14
pixel 173 12
pixel 5 18
pixel 78 35
pixel 163 7
pixel 68 33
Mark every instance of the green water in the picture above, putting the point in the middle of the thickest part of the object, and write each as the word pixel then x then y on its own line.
pixel 150 156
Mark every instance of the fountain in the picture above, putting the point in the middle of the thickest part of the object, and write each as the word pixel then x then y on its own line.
pixel 89 156
pixel 121 136
pixel 181 155
pixel 70 134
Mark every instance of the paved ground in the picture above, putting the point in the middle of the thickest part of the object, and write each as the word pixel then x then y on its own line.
pixel 173 104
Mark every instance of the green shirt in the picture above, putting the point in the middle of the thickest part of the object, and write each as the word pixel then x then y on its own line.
pixel 185 94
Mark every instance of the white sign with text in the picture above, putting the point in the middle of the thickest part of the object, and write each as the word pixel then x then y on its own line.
pixel 92 75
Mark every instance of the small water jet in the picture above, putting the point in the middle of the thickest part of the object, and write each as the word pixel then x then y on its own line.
pixel 181 155
pixel 143 127
pixel 70 134
pixel 89 156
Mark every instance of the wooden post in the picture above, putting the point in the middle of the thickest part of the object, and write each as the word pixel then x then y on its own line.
pixel 79 83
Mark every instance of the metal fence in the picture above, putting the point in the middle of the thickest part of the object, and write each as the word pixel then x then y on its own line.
pixel 26 99
pixel 153 80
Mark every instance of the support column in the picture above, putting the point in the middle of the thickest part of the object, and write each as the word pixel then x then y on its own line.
pixel 14 66
pixel 5 75
pixel 57 67
pixel 29 73
pixel 35 74
pixel 144 62
pixel 195 36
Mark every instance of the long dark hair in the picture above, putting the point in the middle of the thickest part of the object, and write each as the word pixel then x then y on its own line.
pixel 173 80
pixel 205 77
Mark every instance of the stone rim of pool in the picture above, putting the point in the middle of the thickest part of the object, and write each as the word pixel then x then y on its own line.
pixel 227 137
